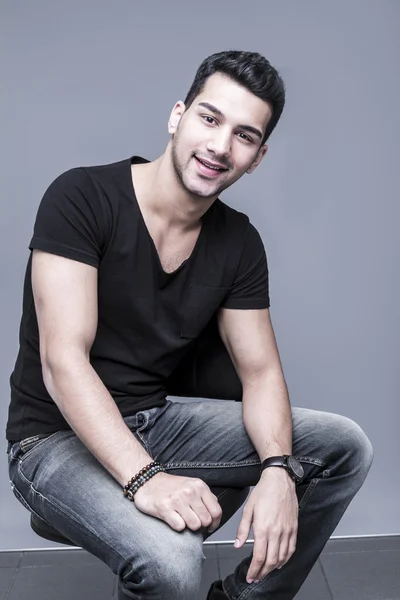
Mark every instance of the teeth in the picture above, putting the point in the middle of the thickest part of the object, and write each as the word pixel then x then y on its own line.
pixel 209 166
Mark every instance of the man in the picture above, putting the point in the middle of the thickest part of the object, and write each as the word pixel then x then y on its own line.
pixel 132 263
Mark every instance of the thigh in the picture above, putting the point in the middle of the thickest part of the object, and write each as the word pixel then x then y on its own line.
pixel 63 483
pixel 205 439
pixel 208 439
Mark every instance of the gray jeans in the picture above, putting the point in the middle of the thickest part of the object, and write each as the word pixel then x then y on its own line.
pixel 58 479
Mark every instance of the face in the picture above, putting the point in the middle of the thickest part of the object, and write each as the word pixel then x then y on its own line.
pixel 218 138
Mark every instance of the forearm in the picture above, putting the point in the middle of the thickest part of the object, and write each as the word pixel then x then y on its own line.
pixel 267 415
pixel 90 410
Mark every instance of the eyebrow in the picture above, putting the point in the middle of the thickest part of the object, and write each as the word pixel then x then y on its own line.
pixel 216 111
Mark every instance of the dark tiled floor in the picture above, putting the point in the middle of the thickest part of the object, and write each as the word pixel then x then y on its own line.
pixel 351 569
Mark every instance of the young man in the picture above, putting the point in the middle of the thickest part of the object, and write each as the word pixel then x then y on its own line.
pixel 133 264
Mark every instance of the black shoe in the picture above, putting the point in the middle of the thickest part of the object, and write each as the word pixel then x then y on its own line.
pixel 216 592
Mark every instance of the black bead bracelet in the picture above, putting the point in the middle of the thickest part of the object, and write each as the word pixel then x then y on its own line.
pixel 140 478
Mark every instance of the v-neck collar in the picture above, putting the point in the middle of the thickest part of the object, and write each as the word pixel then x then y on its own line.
pixel 166 275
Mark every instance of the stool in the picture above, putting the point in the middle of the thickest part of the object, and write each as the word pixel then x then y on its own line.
pixel 230 500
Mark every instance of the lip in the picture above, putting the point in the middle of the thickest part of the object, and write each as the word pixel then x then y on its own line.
pixel 212 164
pixel 211 173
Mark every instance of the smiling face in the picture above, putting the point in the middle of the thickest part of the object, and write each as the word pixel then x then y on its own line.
pixel 218 138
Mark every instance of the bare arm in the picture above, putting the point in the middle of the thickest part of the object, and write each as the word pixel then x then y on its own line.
pixel 250 341
pixel 272 506
pixel 65 294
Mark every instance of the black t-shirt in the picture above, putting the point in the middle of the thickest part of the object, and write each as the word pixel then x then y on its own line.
pixel 147 318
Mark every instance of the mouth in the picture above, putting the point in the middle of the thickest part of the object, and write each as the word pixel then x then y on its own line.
pixel 210 168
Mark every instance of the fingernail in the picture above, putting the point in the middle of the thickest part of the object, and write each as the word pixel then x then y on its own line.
pixel 256 581
pixel 250 581
pixel 237 543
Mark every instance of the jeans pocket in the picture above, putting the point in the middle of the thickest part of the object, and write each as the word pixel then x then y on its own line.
pixel 22 449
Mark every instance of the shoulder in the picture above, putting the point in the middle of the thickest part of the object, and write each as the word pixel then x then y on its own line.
pixel 88 185
pixel 236 221
pixel 228 219
pixel 87 176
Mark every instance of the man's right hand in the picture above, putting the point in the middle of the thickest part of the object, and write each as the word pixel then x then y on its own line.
pixel 179 501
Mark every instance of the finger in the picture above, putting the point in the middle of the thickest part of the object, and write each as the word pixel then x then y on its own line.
pixel 213 507
pixel 243 529
pixel 274 547
pixel 174 520
pixel 203 514
pixel 191 519
pixel 283 552
pixel 259 556
pixel 292 546
pixel 271 557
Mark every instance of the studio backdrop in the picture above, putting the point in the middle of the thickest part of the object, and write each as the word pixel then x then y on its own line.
pixel 86 82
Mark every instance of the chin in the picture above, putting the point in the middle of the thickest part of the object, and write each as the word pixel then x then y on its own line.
pixel 202 190
pixel 201 193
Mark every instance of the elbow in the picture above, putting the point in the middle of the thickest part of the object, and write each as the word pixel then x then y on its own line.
pixel 264 375
pixel 58 368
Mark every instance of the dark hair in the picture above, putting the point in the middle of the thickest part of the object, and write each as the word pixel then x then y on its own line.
pixel 249 69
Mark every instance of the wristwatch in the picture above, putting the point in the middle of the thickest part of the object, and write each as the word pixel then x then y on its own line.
pixel 290 463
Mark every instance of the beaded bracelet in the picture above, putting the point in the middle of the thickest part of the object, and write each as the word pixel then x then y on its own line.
pixel 140 478
pixel 141 481
pixel 143 471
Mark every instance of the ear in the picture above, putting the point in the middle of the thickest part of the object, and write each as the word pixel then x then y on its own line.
pixel 260 155
pixel 175 117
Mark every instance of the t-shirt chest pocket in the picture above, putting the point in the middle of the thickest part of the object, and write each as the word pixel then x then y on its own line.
pixel 201 303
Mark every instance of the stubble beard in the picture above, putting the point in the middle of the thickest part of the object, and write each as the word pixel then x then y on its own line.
pixel 179 171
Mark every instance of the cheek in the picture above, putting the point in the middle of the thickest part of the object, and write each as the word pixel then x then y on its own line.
pixel 193 134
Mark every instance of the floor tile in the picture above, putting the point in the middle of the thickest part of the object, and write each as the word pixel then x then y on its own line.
pixel 47 583
pixel 366 575
pixel 10 559
pixel 227 566
pixel 314 588
pixel 363 544
pixel 6 577
pixel 58 558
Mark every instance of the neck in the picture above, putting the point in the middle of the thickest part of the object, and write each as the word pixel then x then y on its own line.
pixel 161 193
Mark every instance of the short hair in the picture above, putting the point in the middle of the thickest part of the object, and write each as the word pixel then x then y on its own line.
pixel 250 70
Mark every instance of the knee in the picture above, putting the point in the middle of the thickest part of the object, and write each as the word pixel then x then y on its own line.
pixel 181 567
pixel 354 444
pixel 171 569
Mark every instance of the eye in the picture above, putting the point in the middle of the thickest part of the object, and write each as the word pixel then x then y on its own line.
pixel 245 137
pixel 209 120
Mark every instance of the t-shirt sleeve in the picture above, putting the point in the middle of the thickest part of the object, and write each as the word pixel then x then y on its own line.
pixel 71 220
pixel 250 288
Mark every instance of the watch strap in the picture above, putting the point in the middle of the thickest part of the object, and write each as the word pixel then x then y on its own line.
pixel 275 461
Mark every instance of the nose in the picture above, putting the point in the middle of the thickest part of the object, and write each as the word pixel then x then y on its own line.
pixel 219 143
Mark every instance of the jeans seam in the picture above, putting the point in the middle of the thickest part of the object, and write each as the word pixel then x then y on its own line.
pixel 307 494
pixel 245 463
pixel 311 460
pixel 207 465
pixel 24 502
pixel 144 443
pixel 23 456
pixel 79 525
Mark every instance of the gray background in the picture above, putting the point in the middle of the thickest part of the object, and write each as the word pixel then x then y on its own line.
pixel 93 81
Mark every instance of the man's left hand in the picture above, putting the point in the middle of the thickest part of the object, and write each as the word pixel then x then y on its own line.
pixel 272 510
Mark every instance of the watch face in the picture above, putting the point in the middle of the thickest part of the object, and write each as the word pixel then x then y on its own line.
pixel 296 467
